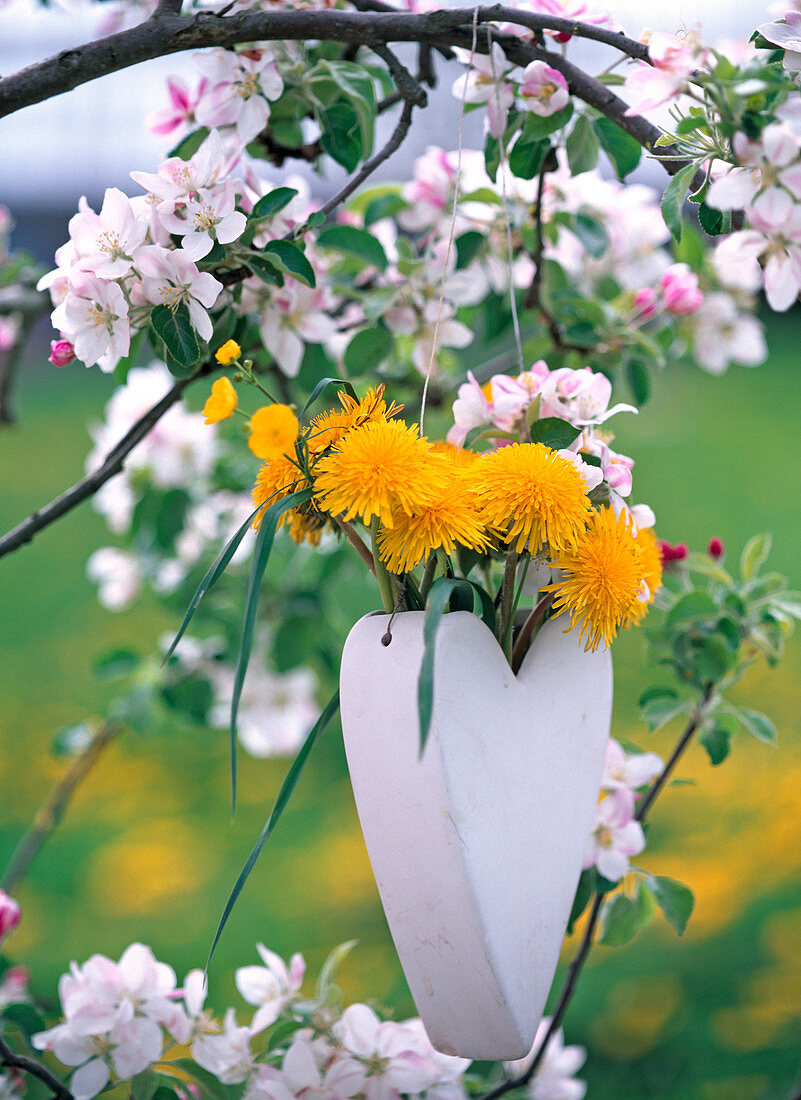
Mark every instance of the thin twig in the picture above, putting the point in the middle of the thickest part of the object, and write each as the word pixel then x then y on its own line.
pixel 53 809
pixel 681 745
pixel 113 464
pixel 8 1057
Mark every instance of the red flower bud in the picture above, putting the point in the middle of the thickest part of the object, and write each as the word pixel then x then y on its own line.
pixel 672 553
pixel 715 549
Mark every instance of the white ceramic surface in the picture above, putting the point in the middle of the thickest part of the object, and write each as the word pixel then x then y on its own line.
pixel 476 848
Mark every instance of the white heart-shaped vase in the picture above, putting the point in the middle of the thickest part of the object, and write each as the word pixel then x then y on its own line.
pixel 477 847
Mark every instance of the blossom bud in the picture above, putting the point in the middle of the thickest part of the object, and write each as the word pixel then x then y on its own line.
pixel 672 553
pixel 680 289
pixel 9 914
pixel 716 549
pixel 645 302
pixel 61 353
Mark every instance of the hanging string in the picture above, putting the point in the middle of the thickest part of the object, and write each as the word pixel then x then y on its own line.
pixel 504 199
pixel 453 223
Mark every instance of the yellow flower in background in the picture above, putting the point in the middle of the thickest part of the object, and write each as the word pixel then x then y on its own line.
pixel 228 352
pixel 651 564
pixel 602 579
pixel 273 431
pixel 378 469
pixel 222 402
pixel 450 518
pixel 533 494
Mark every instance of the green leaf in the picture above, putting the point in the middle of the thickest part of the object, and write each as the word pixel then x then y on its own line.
pixel 384 206
pixel 539 126
pixel 287 787
pixel 526 157
pixel 592 234
pixel 714 222
pixel 554 432
pixel 438 600
pixel 341 134
pixel 492 157
pixel 673 199
pixel 659 710
pixel 368 349
pixel 716 742
pixel 356 242
pixel 218 567
pixel 174 327
pixel 271 203
pixel 24 1016
pixel 622 916
pixel 264 269
pixel 673 898
pixel 467 247
pixel 261 554
pixel 328 970
pixel 322 385
pixel 192 696
pixel 582 147
pixel 210 1085
pixel 758 725
pixel 623 150
pixel 188 146
pixel 584 891
pixel 289 258
pixel 357 85
pixel 690 607
pixel 144 1085
pixel 754 555
pixel 656 692
pixel 116 663
pixel 639 380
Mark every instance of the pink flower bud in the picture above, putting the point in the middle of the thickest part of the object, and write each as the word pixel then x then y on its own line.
pixel 680 290
pixel 645 302
pixel 9 915
pixel 672 553
pixel 715 549
pixel 61 353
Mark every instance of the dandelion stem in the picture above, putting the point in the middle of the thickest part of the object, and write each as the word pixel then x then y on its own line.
pixel 381 574
pixel 507 604
pixel 428 577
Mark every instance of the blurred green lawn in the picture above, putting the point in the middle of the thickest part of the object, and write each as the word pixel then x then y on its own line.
pixel 148 850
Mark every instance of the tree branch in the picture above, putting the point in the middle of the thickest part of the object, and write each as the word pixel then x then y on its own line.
pixel 49 815
pixel 112 465
pixel 29 1065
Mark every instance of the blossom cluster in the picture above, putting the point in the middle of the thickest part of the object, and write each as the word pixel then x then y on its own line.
pixel 616 834
pixel 118 1016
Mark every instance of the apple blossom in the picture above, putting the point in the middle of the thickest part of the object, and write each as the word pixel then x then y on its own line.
pixel 674 60
pixel 554 1078
pixel 94 318
pixel 272 987
pixel 171 278
pixel 61 353
pixel 615 836
pixel 106 243
pixel 385 1060
pixel 207 216
pixel 181 112
pixel 483 83
pixel 227 1056
pixel 294 313
pixel 10 914
pixel 543 89
pixel 787 36
pixel 629 771
pixel 14 986
pixel 117 575
pixel 721 334
pixel 240 85
pixel 680 291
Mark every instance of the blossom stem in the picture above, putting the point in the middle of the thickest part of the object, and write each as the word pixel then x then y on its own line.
pixel 381 574
pixel 428 577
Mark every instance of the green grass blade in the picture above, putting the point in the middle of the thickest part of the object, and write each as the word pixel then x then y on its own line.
pixel 487 605
pixel 261 554
pixel 213 575
pixel 323 384
pixel 284 794
pixel 438 599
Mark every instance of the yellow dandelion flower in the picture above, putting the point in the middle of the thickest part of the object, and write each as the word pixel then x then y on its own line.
pixel 458 456
pixel 377 469
pixel 325 430
pixel 651 564
pixel 602 579
pixel 274 429
pixel 228 352
pixel 450 518
pixel 371 407
pixel 277 479
pixel 532 494
pixel 222 402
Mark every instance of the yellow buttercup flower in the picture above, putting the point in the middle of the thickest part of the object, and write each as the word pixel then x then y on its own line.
pixel 228 352
pixel 378 469
pixel 532 494
pixel 274 429
pixel 450 518
pixel 602 579
pixel 222 402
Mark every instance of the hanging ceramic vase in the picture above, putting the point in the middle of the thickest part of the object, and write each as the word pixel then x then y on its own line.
pixel 477 846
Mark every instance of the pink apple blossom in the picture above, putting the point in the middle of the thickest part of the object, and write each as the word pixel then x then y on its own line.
pixel 680 291
pixel 615 836
pixel 14 987
pixel 61 353
pixel 776 237
pixel 629 771
pixel 240 86
pixel 94 318
pixel 484 83
pixel 180 114
pixel 106 243
pixel 722 334
pixel 293 314
pixel 10 328
pixel 554 1078
pixel 674 61
pixel 272 987
pixel 206 216
pixel 171 277
pixel 227 1056
pixel 10 914
pixel 385 1060
pixel 117 575
pixel 786 35
pixel 543 89
pixel 646 303
pixel 127 1048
